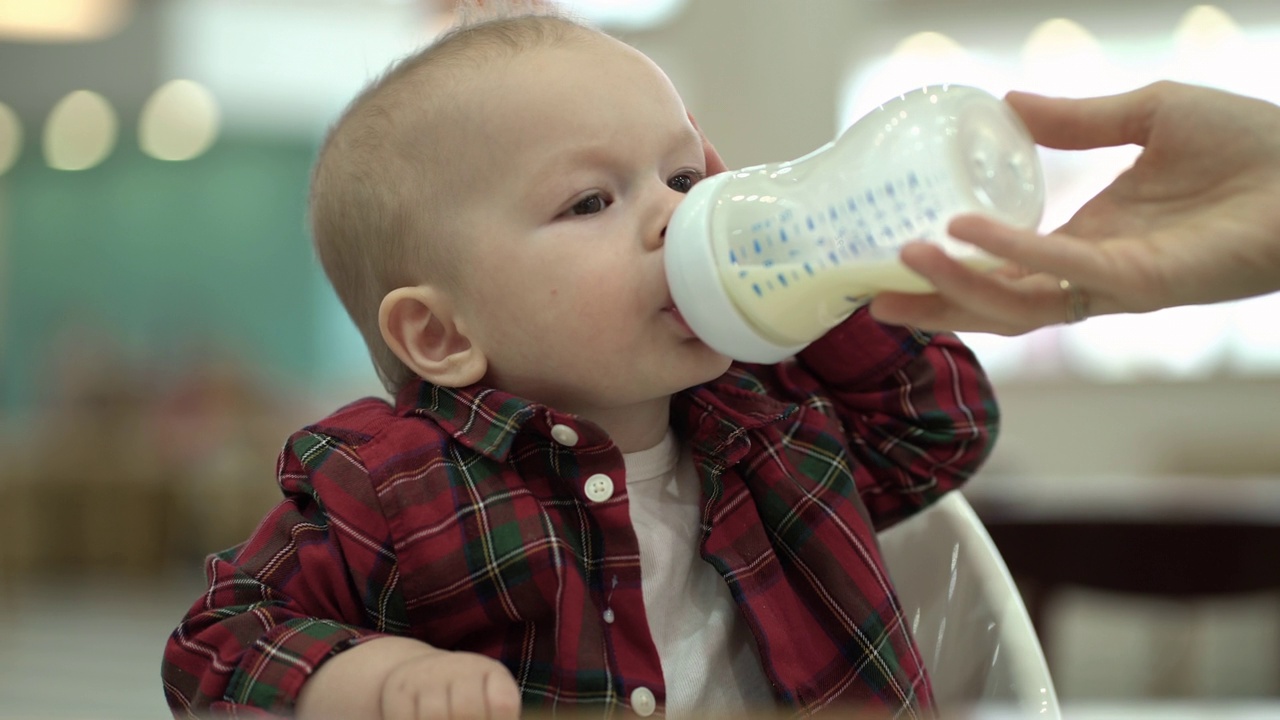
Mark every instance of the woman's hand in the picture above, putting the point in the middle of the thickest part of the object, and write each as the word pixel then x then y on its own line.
pixel 1195 220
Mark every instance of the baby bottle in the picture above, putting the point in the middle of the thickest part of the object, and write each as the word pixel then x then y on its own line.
pixel 765 260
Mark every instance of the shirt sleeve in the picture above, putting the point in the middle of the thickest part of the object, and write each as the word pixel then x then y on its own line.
pixel 316 577
pixel 918 410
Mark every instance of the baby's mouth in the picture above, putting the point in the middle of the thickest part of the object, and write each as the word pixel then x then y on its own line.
pixel 675 313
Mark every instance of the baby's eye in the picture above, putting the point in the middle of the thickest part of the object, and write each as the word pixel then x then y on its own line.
pixel 684 181
pixel 589 205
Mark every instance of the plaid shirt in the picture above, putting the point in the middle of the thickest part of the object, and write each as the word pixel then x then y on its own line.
pixel 457 517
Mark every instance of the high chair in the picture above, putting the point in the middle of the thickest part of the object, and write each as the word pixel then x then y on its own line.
pixel 968 619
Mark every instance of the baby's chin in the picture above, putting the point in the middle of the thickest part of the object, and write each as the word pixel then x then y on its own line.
pixel 717 365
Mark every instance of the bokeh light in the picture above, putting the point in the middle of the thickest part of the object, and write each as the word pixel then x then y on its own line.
pixel 920 59
pixel 1210 48
pixel 625 14
pixel 179 121
pixel 80 132
pixel 62 20
pixel 1061 57
pixel 10 138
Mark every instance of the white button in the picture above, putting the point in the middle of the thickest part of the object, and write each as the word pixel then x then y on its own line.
pixel 564 435
pixel 643 702
pixel 608 615
pixel 599 487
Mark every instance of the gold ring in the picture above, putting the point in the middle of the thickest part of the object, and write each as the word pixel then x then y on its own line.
pixel 1077 302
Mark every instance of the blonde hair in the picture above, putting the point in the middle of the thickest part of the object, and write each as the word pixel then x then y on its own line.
pixel 377 200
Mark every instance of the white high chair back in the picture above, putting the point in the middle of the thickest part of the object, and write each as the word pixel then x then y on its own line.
pixel 969 621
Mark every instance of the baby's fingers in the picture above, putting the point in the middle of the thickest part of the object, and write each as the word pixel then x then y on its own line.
pixel 467 699
pixel 409 701
pixel 490 696
pixel 502 696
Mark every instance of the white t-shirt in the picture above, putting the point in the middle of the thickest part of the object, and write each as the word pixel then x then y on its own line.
pixel 709 659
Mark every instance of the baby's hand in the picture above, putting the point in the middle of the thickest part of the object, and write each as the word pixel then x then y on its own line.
pixel 441 685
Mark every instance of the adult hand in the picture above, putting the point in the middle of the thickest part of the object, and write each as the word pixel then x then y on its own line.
pixel 714 164
pixel 1195 220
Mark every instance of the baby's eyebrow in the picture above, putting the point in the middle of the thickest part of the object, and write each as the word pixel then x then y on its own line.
pixel 550 171
pixel 687 139
pixel 552 177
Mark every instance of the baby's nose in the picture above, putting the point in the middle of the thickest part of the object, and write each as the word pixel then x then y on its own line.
pixel 666 221
pixel 658 240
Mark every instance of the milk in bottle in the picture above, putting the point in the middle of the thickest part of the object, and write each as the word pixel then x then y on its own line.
pixel 764 260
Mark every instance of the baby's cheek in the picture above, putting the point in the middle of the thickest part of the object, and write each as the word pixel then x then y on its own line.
pixel 597 302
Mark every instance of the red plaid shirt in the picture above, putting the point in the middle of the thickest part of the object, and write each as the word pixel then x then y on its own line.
pixel 456 517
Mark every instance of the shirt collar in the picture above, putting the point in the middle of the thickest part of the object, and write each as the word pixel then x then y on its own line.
pixel 717 415
pixel 480 418
pixel 713 415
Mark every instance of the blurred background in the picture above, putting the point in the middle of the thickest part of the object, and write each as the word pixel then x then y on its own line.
pixel 163 325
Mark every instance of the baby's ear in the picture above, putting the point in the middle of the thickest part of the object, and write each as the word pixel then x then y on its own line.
pixel 417 324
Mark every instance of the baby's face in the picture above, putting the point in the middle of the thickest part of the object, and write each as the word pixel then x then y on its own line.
pixel 578 155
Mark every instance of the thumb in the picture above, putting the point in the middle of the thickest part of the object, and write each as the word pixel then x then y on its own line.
pixel 502 696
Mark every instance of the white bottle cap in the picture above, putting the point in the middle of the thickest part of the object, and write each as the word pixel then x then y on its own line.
pixel 694 279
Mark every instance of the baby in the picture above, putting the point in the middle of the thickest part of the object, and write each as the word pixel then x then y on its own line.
pixel 572 503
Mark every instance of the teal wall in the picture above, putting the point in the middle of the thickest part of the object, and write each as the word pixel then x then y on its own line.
pixel 165 257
